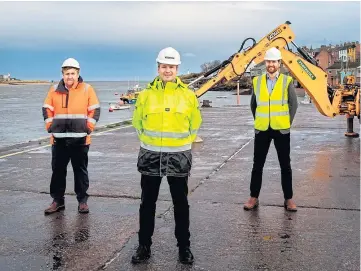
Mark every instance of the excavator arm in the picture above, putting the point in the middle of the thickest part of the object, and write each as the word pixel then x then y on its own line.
pixel 237 64
pixel 329 102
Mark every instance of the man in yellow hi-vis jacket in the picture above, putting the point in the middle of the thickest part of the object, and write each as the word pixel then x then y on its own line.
pixel 274 105
pixel 167 119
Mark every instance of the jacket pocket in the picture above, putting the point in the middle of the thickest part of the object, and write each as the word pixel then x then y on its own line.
pixel 148 161
pixel 152 117
pixel 180 163
pixel 182 112
pixel 181 117
pixel 58 126
pixel 78 126
pixel 150 111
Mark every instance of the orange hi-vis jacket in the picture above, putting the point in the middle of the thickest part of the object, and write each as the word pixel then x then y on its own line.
pixel 71 114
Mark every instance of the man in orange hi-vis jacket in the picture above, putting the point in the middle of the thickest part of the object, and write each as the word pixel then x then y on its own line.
pixel 71 110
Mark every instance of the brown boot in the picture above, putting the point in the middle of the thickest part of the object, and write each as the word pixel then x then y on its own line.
pixel 54 207
pixel 252 203
pixel 83 208
pixel 290 205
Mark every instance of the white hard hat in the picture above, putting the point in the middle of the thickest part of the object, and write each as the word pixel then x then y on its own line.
pixel 169 56
pixel 273 54
pixel 71 62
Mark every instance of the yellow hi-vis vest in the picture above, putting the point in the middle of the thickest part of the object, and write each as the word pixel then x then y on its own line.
pixel 167 118
pixel 272 110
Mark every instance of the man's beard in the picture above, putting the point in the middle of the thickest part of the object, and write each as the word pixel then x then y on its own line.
pixel 271 70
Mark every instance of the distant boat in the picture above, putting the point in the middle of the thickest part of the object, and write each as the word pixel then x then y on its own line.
pixel 135 88
pixel 132 94
pixel 116 106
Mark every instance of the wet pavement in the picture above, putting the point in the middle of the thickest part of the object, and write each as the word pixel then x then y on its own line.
pixel 323 235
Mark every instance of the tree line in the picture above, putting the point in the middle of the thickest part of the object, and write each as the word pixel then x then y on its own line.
pixel 207 66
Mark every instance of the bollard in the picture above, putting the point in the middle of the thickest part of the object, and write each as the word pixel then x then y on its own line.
pixel 350 132
pixel 206 103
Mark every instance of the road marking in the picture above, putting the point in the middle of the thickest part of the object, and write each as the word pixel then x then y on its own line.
pixel 45 146
pixel 110 130
pixel 20 152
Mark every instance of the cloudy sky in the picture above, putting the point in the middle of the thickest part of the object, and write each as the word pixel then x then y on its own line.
pixel 121 40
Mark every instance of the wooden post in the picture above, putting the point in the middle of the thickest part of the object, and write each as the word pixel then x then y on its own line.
pixel 238 102
pixel 198 139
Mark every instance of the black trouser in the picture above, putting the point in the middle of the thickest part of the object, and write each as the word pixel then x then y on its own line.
pixel 61 155
pixel 261 146
pixel 150 190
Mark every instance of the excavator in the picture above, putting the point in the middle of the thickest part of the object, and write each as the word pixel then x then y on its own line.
pixel 341 100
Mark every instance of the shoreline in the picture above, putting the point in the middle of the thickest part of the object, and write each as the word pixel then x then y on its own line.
pixel 25 82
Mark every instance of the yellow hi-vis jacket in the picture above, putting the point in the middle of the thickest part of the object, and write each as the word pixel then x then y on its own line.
pixel 167 118
pixel 272 110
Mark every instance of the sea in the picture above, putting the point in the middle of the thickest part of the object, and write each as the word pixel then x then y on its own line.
pixel 21 118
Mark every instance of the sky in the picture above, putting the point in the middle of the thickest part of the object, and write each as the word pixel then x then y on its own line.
pixel 120 40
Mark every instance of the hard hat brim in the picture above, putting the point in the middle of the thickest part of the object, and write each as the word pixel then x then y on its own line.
pixel 67 66
pixel 169 62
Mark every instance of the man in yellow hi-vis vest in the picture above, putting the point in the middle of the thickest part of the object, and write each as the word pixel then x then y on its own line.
pixel 167 119
pixel 274 105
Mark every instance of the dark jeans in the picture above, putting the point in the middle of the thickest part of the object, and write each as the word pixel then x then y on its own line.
pixel 61 155
pixel 261 146
pixel 150 190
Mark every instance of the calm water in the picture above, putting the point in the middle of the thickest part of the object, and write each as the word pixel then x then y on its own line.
pixel 21 114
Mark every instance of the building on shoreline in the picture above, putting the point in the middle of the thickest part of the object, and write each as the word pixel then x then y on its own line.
pixel 5 77
pixel 336 60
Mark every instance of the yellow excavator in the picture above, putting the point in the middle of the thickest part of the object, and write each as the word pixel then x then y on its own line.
pixel 342 100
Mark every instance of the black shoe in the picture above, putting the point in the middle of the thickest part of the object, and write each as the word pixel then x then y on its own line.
pixel 83 208
pixel 185 255
pixel 142 254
